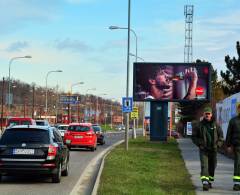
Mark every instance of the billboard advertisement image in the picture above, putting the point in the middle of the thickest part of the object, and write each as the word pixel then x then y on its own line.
pixel 171 82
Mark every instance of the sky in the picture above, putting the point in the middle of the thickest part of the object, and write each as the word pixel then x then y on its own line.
pixel 73 36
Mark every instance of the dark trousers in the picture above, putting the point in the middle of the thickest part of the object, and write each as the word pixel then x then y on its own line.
pixel 208 161
pixel 236 176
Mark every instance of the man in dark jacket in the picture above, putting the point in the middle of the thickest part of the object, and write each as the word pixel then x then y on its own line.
pixel 208 136
pixel 233 142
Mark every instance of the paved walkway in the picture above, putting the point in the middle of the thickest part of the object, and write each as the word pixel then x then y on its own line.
pixel 223 175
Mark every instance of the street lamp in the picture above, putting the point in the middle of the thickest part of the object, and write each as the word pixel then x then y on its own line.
pixel 74 84
pixel 127 87
pixel 69 106
pixel 9 76
pixel 136 57
pixel 91 89
pixel 125 28
pixel 46 104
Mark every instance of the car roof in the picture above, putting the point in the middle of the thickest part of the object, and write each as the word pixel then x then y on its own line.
pixel 29 126
pixel 81 124
pixel 64 125
pixel 20 118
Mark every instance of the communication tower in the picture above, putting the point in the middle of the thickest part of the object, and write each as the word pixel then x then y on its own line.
pixel 188 51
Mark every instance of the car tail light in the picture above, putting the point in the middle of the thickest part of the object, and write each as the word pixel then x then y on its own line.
pixel 67 133
pixel 52 152
pixel 89 133
pixel 48 165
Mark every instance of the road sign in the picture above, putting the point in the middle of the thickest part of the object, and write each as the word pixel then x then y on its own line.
pixel 134 113
pixel 189 128
pixel 68 99
pixel 135 109
pixel 127 104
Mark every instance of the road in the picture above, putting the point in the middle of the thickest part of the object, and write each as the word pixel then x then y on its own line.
pixel 79 159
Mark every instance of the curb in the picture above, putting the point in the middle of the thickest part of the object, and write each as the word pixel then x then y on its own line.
pixel 79 187
pixel 95 188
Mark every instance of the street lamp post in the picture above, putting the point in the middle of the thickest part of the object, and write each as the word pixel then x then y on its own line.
pixel 46 103
pixel 135 34
pixel 91 89
pixel 136 57
pixel 127 84
pixel 69 106
pixel 9 77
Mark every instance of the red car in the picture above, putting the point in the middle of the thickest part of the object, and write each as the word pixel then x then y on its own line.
pixel 174 134
pixel 81 135
pixel 20 121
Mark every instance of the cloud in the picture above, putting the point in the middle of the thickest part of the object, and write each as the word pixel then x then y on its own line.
pixel 17 46
pixel 72 45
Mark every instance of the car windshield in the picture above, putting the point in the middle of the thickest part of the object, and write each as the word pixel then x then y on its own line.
pixel 78 128
pixel 96 128
pixel 19 136
pixel 62 127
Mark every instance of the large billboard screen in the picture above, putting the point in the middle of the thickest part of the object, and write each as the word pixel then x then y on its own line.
pixel 171 82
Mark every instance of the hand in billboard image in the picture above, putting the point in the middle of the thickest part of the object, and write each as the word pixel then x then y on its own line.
pixel 191 75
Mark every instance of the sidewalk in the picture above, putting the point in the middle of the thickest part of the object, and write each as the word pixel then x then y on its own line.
pixel 223 175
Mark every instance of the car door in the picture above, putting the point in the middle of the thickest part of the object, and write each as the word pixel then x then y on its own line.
pixel 64 153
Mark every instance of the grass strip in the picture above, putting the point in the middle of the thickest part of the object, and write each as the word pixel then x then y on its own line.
pixel 146 168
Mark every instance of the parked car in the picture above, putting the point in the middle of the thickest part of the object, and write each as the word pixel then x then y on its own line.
pixel 81 135
pixel 42 123
pixel 174 134
pixel 99 133
pixel 20 121
pixel 36 150
pixel 62 129
pixel 120 127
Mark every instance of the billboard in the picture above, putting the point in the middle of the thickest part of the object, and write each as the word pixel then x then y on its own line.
pixel 227 109
pixel 171 82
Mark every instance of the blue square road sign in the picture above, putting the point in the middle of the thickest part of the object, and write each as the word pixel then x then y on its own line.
pixel 127 104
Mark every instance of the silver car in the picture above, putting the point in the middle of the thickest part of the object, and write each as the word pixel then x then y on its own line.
pixel 62 129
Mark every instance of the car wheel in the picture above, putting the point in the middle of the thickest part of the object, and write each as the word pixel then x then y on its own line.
pixel 66 170
pixel 56 178
pixel 69 147
pixel 92 149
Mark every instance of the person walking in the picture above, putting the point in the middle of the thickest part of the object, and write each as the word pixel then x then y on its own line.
pixel 208 136
pixel 233 144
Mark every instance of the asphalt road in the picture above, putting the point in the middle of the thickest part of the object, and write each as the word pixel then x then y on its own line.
pixel 79 159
